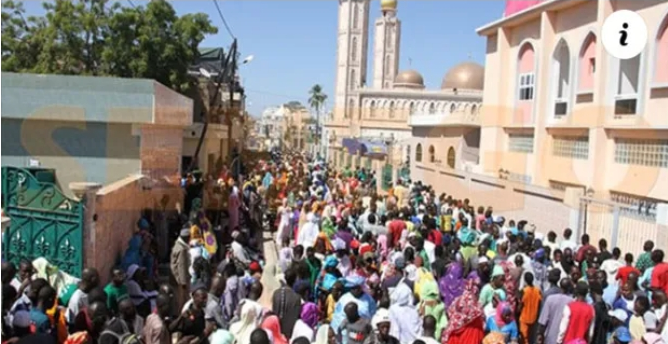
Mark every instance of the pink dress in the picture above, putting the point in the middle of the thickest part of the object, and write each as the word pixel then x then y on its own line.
pixel 233 209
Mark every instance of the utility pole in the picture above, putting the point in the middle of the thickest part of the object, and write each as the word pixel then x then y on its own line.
pixel 226 74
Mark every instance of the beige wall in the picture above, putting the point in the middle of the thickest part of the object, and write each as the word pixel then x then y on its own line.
pixel 118 207
pixel 591 114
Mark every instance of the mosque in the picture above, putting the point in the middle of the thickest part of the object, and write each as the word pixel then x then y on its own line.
pixel 387 123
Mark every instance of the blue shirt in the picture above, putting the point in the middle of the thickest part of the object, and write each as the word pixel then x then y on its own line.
pixel 509 330
pixel 610 294
pixel 40 321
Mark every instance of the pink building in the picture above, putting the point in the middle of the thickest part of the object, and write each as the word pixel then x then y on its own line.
pixel 569 135
pixel 559 111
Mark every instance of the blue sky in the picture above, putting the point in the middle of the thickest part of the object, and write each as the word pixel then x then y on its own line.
pixel 294 42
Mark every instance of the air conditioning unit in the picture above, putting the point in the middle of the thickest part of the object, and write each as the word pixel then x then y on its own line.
pixel 560 107
pixel 626 104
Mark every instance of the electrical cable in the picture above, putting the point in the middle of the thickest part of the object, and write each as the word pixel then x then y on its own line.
pixel 222 17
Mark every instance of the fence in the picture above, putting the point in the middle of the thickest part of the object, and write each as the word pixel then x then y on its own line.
pixel 621 225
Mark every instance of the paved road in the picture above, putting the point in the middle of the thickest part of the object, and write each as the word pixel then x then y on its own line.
pixel 271 260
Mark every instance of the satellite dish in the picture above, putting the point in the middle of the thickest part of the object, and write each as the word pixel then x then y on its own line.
pixel 205 73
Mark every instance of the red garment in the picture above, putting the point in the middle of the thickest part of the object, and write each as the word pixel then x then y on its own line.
pixel 435 236
pixel 395 228
pixel 466 317
pixel 625 271
pixel 471 334
pixel 660 277
pixel 580 255
pixel 582 314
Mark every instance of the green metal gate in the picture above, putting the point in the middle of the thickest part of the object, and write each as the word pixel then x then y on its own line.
pixel 45 223
pixel 387 177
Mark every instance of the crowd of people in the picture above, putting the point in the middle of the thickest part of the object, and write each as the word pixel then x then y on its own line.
pixel 355 267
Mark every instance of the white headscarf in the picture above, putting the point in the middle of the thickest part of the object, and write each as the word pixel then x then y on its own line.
pixel 322 337
pixel 242 329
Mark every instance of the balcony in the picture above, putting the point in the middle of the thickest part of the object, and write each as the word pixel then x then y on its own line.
pixel 457 119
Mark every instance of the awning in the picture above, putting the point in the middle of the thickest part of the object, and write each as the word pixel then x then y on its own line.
pixel 370 148
pixel 352 145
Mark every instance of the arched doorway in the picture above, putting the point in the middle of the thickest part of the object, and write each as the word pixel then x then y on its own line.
pixel 451 157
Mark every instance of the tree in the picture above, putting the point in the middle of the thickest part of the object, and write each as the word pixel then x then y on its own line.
pixel 316 101
pixel 98 37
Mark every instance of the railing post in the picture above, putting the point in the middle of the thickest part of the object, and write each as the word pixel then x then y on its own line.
pixel 615 225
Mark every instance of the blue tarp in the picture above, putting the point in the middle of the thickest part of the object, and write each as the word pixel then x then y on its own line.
pixel 352 145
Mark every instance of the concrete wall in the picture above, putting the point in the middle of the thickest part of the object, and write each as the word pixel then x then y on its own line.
pixel 118 207
pixel 548 209
pixel 78 151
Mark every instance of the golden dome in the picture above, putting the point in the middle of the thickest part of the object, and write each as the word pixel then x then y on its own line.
pixel 464 76
pixel 388 4
pixel 409 78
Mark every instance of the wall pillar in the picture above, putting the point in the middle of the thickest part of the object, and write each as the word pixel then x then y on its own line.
pixel 85 193
pixel 572 198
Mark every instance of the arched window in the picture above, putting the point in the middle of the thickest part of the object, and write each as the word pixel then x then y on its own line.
pixel 561 78
pixel 453 108
pixel 432 154
pixel 353 83
pixel 474 109
pixel 391 110
pixel 660 68
pixel 587 63
pixel 526 76
pixel 351 108
pixel 387 65
pixel 451 157
pixel 355 17
pixel 372 109
pixel 418 152
pixel 411 108
pixel 432 108
pixel 353 52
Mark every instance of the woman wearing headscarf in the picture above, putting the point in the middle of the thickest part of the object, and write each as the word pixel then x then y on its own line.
pixel 466 318
pixel 452 284
pixel 284 213
pixel 504 322
pixel 325 335
pixel 307 323
pixel 242 329
pixel 272 325
pixel 132 255
pixel 308 233
pixel 405 321
pixel 510 284
pixel 142 299
pixel 233 204
pixel 431 304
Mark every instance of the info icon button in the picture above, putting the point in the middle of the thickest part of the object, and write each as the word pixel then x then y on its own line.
pixel 624 34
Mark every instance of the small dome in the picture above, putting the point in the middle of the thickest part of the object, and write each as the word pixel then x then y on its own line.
pixel 409 78
pixel 464 76
pixel 388 4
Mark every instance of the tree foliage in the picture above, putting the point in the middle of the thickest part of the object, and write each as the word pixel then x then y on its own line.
pixel 103 38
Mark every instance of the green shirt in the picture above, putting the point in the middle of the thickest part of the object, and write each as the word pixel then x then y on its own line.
pixel 115 295
pixel 486 294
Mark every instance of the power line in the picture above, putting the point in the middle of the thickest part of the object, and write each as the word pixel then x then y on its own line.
pixel 132 3
pixel 222 17
pixel 275 94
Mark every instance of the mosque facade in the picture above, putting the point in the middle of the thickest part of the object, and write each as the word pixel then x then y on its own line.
pixel 393 120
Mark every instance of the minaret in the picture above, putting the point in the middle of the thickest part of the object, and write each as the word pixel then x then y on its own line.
pixel 352 52
pixel 386 45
